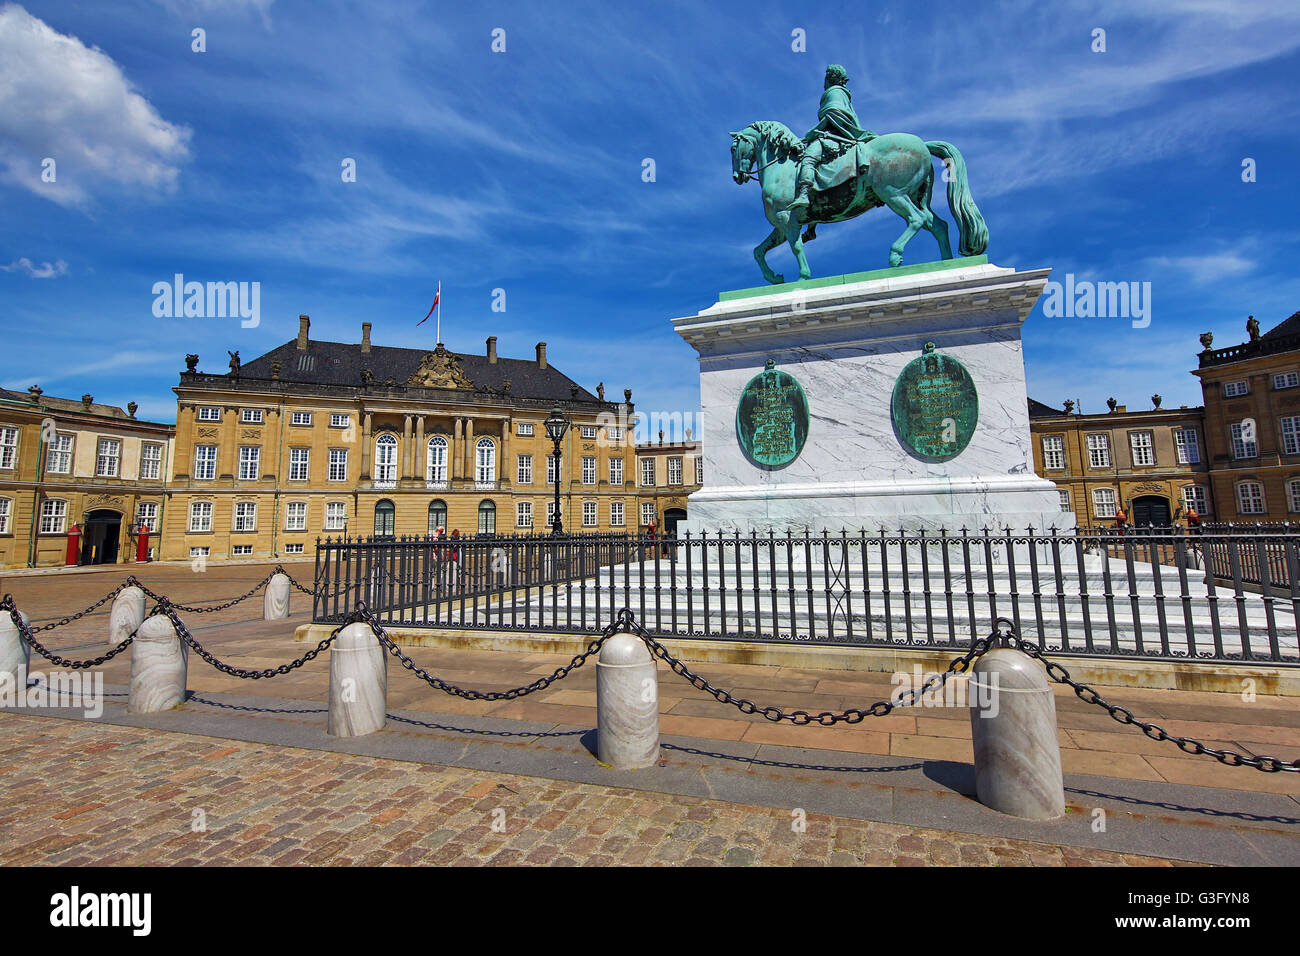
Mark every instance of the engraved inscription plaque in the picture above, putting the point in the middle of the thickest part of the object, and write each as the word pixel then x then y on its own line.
pixel 935 406
pixel 772 418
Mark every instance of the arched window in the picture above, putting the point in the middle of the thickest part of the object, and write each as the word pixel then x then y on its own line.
pixel 385 515
pixel 437 515
pixel 386 461
pixel 435 463
pixel 487 518
pixel 1250 498
pixel 485 473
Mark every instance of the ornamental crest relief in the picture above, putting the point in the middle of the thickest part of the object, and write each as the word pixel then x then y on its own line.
pixel 440 369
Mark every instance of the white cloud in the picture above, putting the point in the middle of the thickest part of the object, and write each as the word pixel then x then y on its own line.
pixel 45 270
pixel 1208 268
pixel 62 100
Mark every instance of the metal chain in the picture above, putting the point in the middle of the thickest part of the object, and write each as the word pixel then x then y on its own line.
pixel 802 717
pixel 1008 638
pixel 207 610
pixel 363 614
pixel 80 614
pixel 27 633
pixel 184 634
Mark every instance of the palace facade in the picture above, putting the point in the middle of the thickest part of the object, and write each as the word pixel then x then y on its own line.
pixel 317 439
pixel 81 470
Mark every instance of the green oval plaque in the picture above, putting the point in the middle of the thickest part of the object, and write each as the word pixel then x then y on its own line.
pixel 772 418
pixel 935 406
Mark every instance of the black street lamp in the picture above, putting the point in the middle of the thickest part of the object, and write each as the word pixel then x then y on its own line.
pixel 556 426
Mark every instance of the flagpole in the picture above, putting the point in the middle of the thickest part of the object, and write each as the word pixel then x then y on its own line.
pixel 439 342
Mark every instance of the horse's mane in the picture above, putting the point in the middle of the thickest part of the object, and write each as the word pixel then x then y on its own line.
pixel 778 134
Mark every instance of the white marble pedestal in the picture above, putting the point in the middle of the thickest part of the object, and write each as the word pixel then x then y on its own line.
pixel 846 340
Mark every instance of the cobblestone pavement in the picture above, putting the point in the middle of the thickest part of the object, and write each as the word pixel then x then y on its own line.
pixel 74 793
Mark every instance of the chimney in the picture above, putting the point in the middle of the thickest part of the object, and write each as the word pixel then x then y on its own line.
pixel 365 338
pixel 304 323
pixel 541 355
pixel 492 349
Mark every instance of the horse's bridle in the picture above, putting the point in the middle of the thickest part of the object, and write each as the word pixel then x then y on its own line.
pixel 747 174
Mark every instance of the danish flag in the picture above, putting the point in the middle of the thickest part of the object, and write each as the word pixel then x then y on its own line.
pixel 436 296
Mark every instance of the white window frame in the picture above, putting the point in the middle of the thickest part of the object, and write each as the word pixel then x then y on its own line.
pixel 524 429
pixel 1053 453
pixel 1242 449
pixel 146 515
pixel 54 516
pixel 550 511
pixel 588 469
pixel 1236 389
pixel 62 454
pixel 435 461
pixel 241 550
pixel 147 459
pixel 299 464
pixel 614 433
pixel 300 419
pixel 1104 500
pixel 524 471
pixel 295 548
pixel 1286 380
pixel 1142 449
pixel 1198 499
pixel 108 458
pixel 554 466
pixel 1250 492
pixel 336 515
pixel 1188 444
pixel 699 469
pixel 295 516
pixel 648 470
pixel 1099 450
pixel 590 514
pixel 1064 494
pixel 338 465
pixel 588 431
pixel 485 464
pixel 209 413
pixel 1289 428
pixel 385 471
pixel 8 447
pixel 200 517
pixel 250 416
pixel 648 513
pixel 616 472
pixel 617 514
pixel 6 515
pixel 339 421
pixel 205 466
pixel 250 462
pixel 523 514
pixel 200 551
pixel 677 461
pixel 244 517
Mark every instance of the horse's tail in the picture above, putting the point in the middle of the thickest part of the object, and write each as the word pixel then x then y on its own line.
pixel 974 231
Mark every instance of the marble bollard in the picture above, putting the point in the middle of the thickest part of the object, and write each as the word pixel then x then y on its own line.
pixel 126 615
pixel 627 704
pixel 275 603
pixel 1013 727
pixel 15 654
pixel 358 683
pixel 159 661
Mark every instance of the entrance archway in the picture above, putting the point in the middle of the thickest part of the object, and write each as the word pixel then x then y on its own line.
pixel 1151 510
pixel 100 537
pixel 671 518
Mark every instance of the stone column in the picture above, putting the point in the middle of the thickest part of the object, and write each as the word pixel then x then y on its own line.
pixel 421 452
pixel 406 448
pixel 15 654
pixel 627 704
pixel 358 683
pixel 453 453
pixel 159 659
pixel 366 450
pixel 1013 727
pixel 275 602
pixel 469 449
pixel 126 615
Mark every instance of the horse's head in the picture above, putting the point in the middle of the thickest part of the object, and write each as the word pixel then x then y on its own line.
pixel 743 152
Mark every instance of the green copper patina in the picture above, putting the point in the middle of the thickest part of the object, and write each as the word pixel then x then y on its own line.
pixel 772 418
pixel 840 170
pixel 935 406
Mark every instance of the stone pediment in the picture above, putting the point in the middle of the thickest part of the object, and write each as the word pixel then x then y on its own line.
pixel 440 369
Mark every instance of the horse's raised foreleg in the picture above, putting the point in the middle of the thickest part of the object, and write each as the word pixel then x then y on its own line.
pixel 761 250
pixel 904 206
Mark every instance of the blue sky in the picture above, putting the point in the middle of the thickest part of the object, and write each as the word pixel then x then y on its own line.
pixel 522 171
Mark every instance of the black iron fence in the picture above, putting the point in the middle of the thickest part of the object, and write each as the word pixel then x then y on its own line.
pixel 1160 593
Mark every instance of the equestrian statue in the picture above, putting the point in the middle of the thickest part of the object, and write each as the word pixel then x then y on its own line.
pixel 840 170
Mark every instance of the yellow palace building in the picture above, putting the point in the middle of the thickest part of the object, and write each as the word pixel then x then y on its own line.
pixel 316 439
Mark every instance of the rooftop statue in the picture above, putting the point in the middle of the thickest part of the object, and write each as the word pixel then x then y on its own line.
pixel 840 170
